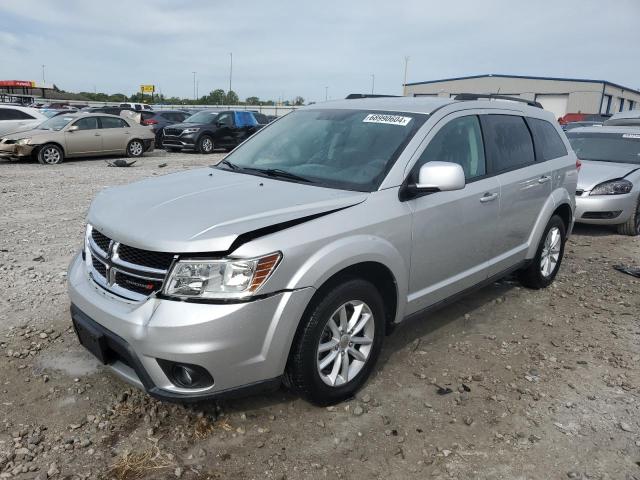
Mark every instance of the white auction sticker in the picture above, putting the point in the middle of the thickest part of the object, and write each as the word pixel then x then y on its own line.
pixel 631 135
pixel 388 119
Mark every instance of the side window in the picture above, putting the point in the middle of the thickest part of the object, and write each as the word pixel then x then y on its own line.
pixel 109 122
pixel 459 141
pixel 11 114
pixel 508 142
pixel 6 114
pixel 225 119
pixel 88 123
pixel 546 140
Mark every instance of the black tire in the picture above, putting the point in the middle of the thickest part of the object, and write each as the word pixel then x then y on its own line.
pixel 632 226
pixel 302 373
pixel 205 145
pixel 135 148
pixel 50 154
pixel 532 276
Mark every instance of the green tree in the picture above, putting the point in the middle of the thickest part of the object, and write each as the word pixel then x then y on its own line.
pixel 216 97
pixel 232 98
pixel 252 101
pixel 298 101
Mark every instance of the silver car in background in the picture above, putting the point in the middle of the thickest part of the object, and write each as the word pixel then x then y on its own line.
pixel 290 260
pixel 78 135
pixel 608 191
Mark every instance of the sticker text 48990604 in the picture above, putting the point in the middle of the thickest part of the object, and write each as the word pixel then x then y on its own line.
pixel 388 119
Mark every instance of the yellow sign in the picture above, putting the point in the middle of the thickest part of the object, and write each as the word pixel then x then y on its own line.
pixel 147 88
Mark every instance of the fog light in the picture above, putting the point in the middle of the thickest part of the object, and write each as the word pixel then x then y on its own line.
pixel 186 375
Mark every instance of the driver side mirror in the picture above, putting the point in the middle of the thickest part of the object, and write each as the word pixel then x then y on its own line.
pixel 73 128
pixel 436 177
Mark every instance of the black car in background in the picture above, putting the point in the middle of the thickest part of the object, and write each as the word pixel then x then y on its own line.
pixel 209 130
pixel 158 120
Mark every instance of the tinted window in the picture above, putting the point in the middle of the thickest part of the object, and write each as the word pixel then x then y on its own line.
pixel 202 117
pixel 109 122
pixel 606 147
pixel 547 142
pixel 261 118
pixel 225 119
pixel 11 114
pixel 148 115
pixel 459 141
pixel 508 142
pixel 88 123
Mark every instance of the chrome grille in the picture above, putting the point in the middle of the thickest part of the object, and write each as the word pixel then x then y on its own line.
pixel 126 271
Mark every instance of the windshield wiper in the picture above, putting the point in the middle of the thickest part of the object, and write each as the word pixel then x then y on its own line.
pixel 229 164
pixel 277 172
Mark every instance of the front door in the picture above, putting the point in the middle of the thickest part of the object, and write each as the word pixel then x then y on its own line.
pixel 224 132
pixel 453 232
pixel 86 139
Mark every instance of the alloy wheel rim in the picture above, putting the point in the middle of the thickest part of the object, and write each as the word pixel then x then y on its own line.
pixel 550 252
pixel 51 156
pixel 345 344
pixel 135 148
pixel 207 145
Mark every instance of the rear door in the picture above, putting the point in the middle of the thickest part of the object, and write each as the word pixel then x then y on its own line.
pixel 453 232
pixel 525 185
pixel 87 139
pixel 224 132
pixel 116 133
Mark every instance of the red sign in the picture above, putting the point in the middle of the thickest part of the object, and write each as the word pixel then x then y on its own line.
pixel 17 83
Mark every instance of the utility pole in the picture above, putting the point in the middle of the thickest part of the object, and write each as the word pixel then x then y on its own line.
pixel 326 93
pixel 404 84
pixel 373 82
pixel 194 85
pixel 43 73
pixel 230 69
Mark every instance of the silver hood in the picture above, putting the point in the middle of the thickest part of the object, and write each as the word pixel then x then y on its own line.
pixel 592 173
pixel 205 210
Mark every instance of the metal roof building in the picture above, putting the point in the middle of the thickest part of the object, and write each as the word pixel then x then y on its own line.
pixel 558 95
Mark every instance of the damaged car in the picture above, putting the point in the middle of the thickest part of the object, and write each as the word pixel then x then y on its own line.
pixel 290 260
pixel 78 135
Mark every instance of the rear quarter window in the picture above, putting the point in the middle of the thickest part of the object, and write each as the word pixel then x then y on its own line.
pixel 11 114
pixel 508 142
pixel 547 141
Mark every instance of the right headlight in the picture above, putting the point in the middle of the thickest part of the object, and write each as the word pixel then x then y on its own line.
pixel 612 187
pixel 191 130
pixel 225 278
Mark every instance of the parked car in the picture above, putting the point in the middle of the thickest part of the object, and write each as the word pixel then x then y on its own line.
pixel 261 118
pixel 16 118
pixel 583 117
pixel 571 125
pixel 290 259
pixel 137 106
pixel 629 118
pixel 609 183
pixel 78 135
pixel 158 120
pixel 208 130
pixel 52 112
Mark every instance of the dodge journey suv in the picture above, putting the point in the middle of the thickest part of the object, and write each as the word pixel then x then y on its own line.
pixel 289 260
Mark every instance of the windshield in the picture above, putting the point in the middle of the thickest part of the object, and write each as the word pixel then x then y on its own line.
pixel 56 123
pixel 202 117
pixel 606 147
pixel 49 113
pixel 347 149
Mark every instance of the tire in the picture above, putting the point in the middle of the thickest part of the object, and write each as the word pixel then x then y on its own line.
pixel 541 272
pixel 135 148
pixel 50 154
pixel 632 226
pixel 205 145
pixel 326 385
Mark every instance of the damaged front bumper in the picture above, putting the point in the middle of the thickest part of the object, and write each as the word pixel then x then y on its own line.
pixel 15 150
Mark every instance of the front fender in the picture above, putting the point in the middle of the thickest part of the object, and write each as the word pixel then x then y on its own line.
pixel 346 252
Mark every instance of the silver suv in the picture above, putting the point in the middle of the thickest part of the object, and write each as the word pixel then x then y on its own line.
pixel 291 259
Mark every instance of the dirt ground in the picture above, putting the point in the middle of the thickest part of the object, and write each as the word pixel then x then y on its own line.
pixel 545 384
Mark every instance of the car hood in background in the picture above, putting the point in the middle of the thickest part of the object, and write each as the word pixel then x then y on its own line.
pixel 205 210
pixel 593 173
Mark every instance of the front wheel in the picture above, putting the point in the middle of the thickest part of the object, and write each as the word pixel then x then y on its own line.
pixel 338 344
pixel 135 148
pixel 545 265
pixel 205 144
pixel 632 226
pixel 50 155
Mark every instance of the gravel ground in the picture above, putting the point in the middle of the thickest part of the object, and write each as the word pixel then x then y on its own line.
pixel 545 384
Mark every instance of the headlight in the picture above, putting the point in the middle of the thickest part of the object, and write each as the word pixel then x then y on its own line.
pixel 23 141
pixel 190 130
pixel 612 187
pixel 220 279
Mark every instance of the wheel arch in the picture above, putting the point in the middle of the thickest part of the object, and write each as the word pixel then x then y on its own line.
pixel 560 202
pixel 57 144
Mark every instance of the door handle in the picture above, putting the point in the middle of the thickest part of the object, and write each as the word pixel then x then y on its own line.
pixel 488 197
pixel 544 179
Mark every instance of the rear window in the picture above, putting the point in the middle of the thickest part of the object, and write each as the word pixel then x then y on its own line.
pixel 507 141
pixel 606 147
pixel 110 122
pixel 547 142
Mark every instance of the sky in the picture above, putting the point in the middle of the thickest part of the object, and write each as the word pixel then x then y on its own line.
pixel 285 48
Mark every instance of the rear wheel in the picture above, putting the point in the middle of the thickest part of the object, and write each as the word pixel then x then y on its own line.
pixel 135 148
pixel 545 265
pixel 50 154
pixel 205 144
pixel 338 344
pixel 632 226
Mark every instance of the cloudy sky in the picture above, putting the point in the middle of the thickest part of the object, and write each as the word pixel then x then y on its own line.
pixel 284 48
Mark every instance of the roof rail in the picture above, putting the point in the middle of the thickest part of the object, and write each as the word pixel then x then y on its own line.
pixel 491 96
pixel 353 96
